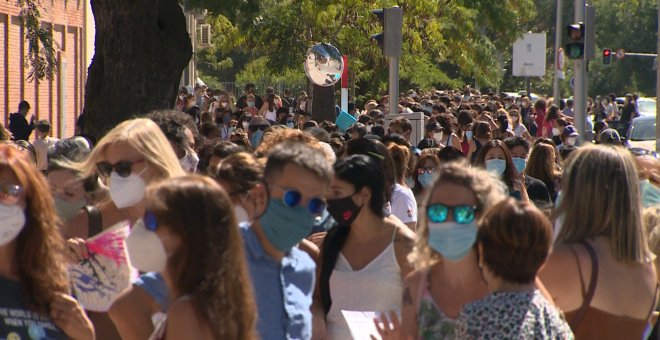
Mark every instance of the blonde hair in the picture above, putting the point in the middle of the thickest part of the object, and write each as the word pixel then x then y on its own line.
pixel 488 189
pixel 651 218
pixel 601 198
pixel 146 138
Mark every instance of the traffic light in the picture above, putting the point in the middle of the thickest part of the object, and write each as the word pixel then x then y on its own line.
pixel 607 56
pixel 575 47
pixel 390 40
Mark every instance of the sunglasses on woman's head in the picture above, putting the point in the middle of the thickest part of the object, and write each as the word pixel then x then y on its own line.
pixel 10 193
pixel 122 168
pixel 463 214
pixel 292 198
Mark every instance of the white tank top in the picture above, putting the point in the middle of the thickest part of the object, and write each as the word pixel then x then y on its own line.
pixel 377 288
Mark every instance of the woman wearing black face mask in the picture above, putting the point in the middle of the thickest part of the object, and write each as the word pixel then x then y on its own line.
pixel 364 257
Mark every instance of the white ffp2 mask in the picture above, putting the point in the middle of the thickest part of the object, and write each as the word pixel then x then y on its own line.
pixel 145 249
pixel 12 221
pixel 126 191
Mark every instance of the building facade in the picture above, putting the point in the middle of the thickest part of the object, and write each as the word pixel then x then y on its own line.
pixel 60 99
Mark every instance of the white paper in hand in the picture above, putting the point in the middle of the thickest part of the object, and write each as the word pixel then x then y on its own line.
pixel 361 324
pixel 98 280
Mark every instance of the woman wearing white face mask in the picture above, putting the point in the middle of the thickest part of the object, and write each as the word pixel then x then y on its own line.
pixel 131 156
pixel 189 235
pixel 496 158
pixel 33 279
pixel 239 174
pixel 519 129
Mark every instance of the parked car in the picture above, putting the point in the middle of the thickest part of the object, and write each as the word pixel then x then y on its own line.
pixel 641 134
pixel 647 106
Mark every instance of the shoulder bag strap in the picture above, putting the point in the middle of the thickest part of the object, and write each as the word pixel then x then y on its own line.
pixel 95 220
pixel 592 287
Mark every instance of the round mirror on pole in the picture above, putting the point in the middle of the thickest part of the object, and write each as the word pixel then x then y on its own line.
pixel 324 64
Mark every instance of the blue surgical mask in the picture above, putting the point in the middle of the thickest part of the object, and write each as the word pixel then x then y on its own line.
pixel 452 240
pixel 650 194
pixel 255 140
pixel 289 125
pixel 496 166
pixel 520 164
pixel 285 226
pixel 426 180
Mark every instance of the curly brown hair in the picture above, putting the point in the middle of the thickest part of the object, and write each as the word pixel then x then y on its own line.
pixel 209 265
pixel 280 135
pixel 39 251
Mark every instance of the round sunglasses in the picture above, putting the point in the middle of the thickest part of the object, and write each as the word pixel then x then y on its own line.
pixel 463 214
pixel 292 198
pixel 122 168
pixel 429 171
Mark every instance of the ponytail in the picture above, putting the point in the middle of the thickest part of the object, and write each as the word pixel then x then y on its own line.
pixel 332 245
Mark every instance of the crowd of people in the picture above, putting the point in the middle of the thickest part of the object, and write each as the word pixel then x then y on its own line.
pixel 245 219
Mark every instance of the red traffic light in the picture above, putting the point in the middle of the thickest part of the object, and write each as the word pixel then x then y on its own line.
pixel 607 53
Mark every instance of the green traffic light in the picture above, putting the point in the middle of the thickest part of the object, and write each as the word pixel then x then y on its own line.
pixel 574 50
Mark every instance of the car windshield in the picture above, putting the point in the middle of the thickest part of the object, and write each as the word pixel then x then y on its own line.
pixel 643 130
pixel 646 106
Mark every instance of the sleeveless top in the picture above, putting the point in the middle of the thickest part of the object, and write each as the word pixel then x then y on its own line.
pixel 591 323
pixel 450 142
pixel 432 323
pixel 377 287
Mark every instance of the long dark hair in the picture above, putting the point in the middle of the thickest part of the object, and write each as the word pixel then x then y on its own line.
pixel 510 173
pixel 361 171
pixel 377 151
pixel 209 266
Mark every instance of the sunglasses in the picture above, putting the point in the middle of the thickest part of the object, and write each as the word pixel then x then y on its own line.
pixel 429 171
pixel 463 214
pixel 10 194
pixel 150 221
pixel 292 198
pixel 122 168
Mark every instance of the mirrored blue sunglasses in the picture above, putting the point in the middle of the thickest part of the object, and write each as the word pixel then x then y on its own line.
pixel 463 214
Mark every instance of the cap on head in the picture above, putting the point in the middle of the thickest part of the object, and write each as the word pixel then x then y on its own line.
pixel 570 131
pixel 610 136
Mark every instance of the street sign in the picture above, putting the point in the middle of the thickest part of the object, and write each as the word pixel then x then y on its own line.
pixel 620 53
pixel 529 55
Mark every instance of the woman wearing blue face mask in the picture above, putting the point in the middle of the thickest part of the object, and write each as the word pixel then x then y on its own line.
pixel 496 158
pixel 448 276
pixel 424 173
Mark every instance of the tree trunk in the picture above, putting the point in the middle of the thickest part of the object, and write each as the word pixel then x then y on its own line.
pixel 141 49
pixel 323 104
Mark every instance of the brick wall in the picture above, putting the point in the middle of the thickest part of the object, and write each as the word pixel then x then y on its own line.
pixel 66 18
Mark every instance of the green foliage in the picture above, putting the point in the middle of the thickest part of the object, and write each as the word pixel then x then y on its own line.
pixel 435 33
pixel 258 71
pixel 41 48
